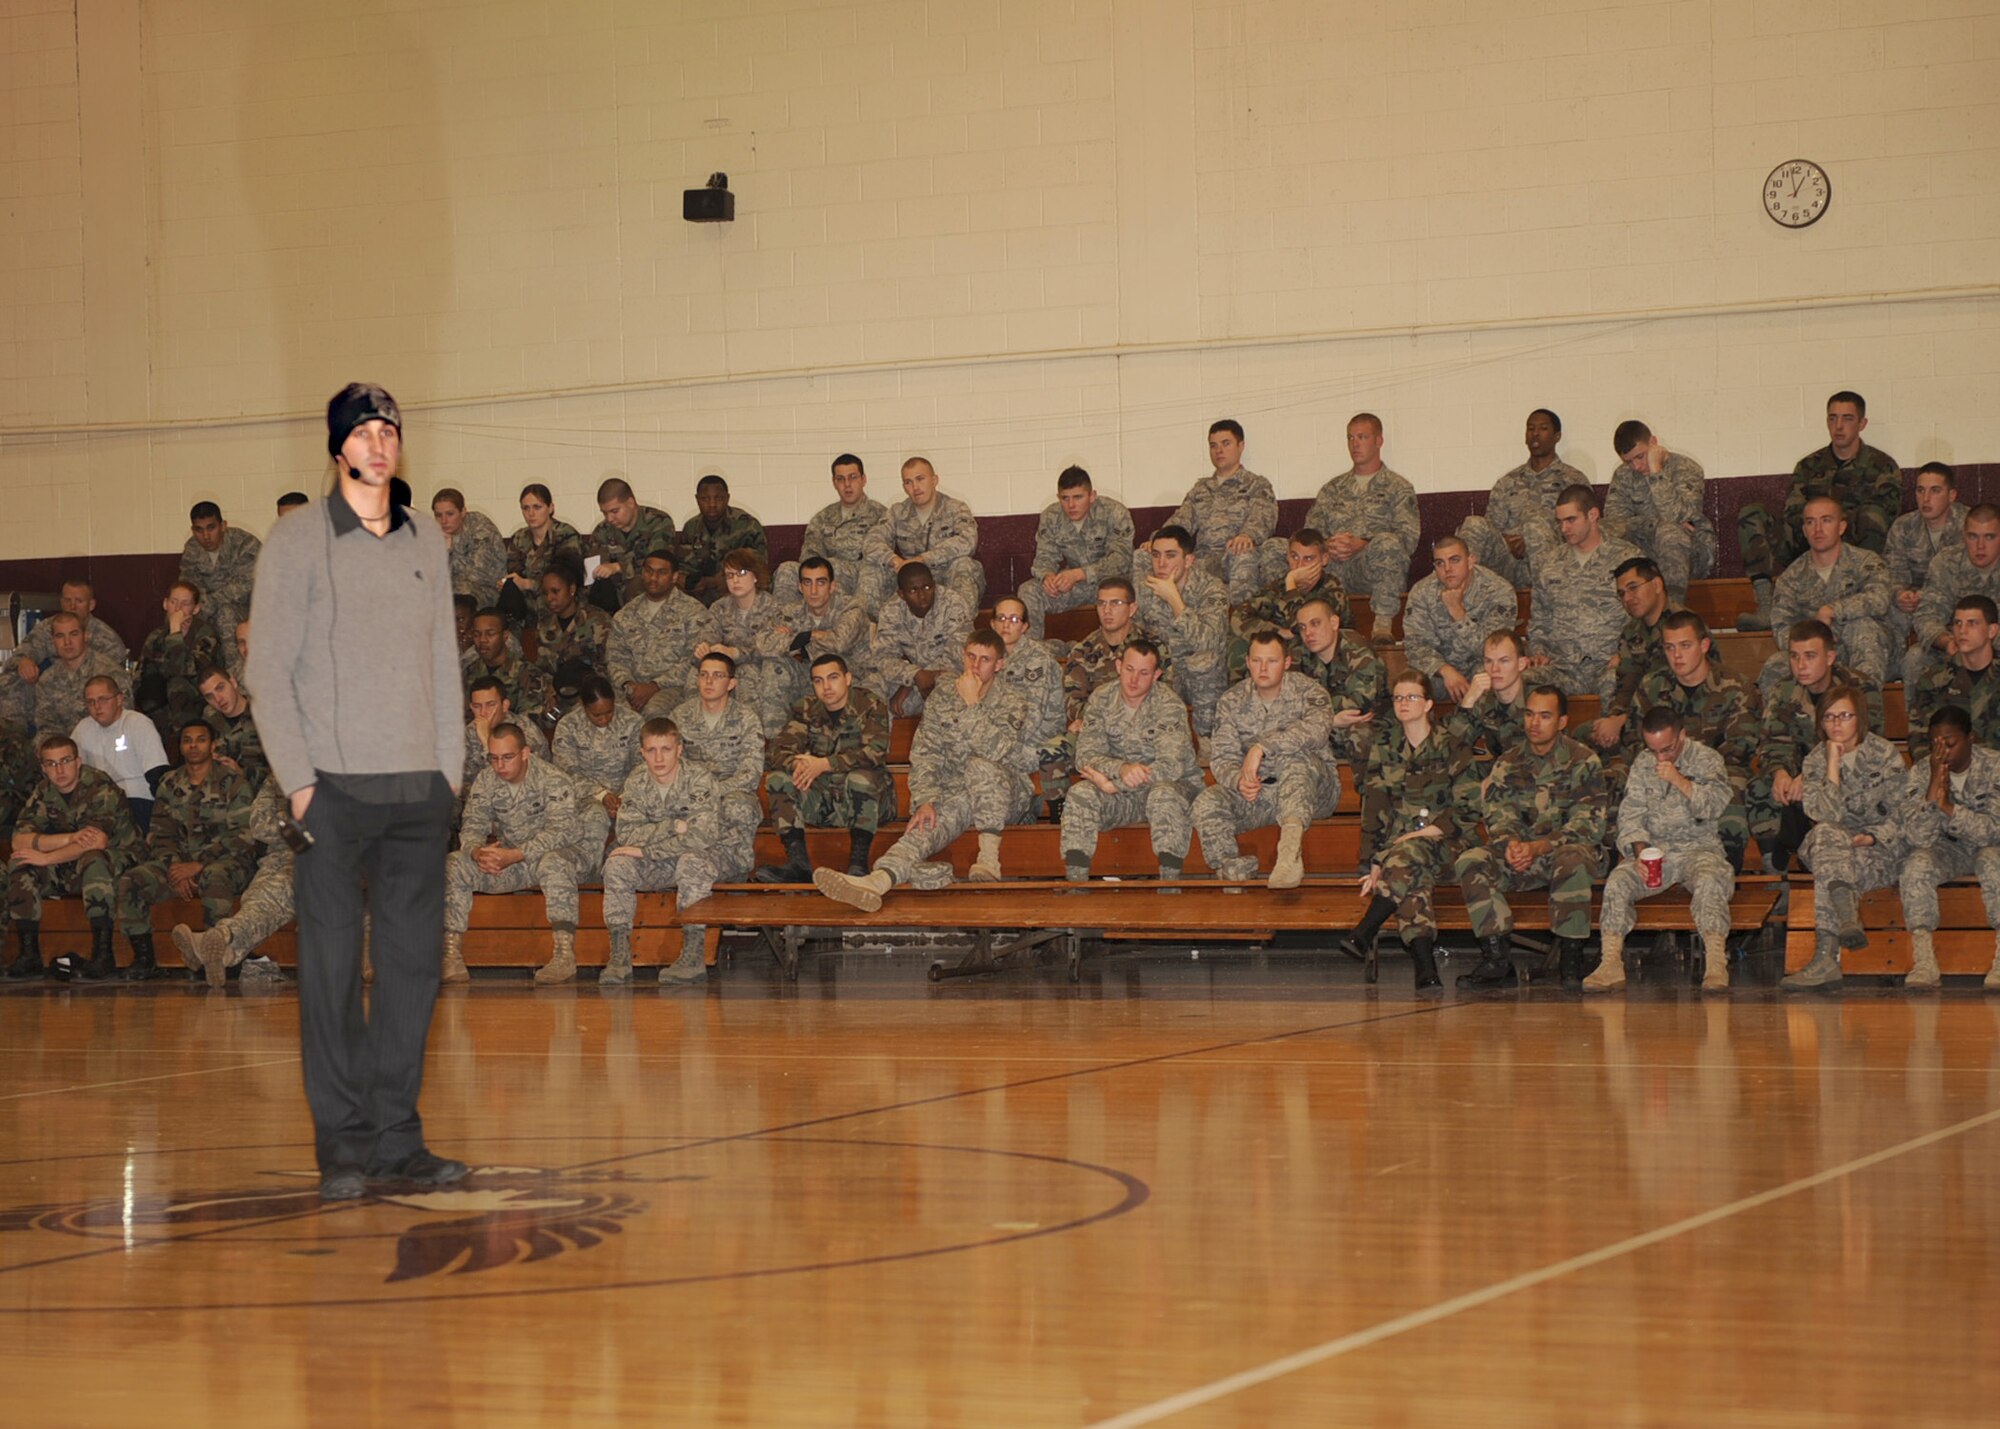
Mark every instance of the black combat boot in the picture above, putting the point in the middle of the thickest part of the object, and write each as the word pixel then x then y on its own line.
pixel 797 867
pixel 859 843
pixel 1425 966
pixel 1569 963
pixel 1355 944
pixel 28 962
pixel 103 961
pixel 1496 968
pixel 144 966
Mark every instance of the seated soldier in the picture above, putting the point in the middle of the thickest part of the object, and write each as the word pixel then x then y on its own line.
pixel 1843 587
pixel 1276 606
pixel 231 942
pixel 1082 538
pixel 220 560
pixel 1225 519
pixel 752 628
pixel 530 693
pixel 59 701
pixel 628 533
pixel 718 529
pixel 1272 748
pixel 74 836
pixel 1789 727
pixel 1409 827
pixel 1918 538
pixel 1545 806
pixel 197 848
pixel 1032 672
pixel 597 743
pixel 1574 615
pixel 1970 680
pixel 969 768
pixel 238 746
pixel 821 620
pixel 1674 800
pixel 1855 782
pixel 918 640
pixel 572 636
pixel 1519 523
pixel 1185 611
pixel 837 534
pixel 1867 483
pixel 1716 709
pixel 476 549
pixel 17 683
pixel 1493 717
pixel 650 657
pixel 1657 503
pixel 490 709
pixel 925 528
pixel 1951 816
pixel 829 768
pixel 722 737
pixel 1368 518
pixel 171 659
pixel 1135 765
pixel 1643 592
pixel 526 825
pixel 1970 568
pixel 1351 673
pixel 1451 612
pixel 122 743
pixel 667 833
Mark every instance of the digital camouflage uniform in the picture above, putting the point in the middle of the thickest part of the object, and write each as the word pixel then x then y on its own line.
pixel 1868 800
pixel 475 752
pixel 1433 640
pixel 677 824
pixel 1952 577
pixel 40 644
pixel 1859 590
pixel 550 818
pixel 599 759
pixel 266 905
pixel 903 644
pixel 586 641
pixel 761 685
pixel 1032 672
pixel 206 823
pixel 96 801
pixel 729 748
pixel 1354 678
pixel 1382 510
pixel 972 764
pixel 527 687
pixel 59 692
pixel 238 739
pixel 1196 641
pixel 702 546
pixel 1215 512
pixel 1721 712
pixel 224 578
pixel 1092 663
pixel 856 792
pixel 652 530
pixel 1275 608
pixel 841 629
pixel 1407 788
pixel 1574 615
pixel 478 555
pixel 1962 844
pixel 1155 735
pixel 525 558
pixel 1561 795
pixel 1488 728
pixel 840 534
pixel 1975 692
pixel 652 643
pixel 1911 548
pixel 1655 513
pixel 167 682
pixel 1523 504
pixel 1301 782
pixel 1869 489
pixel 1685 828
pixel 945 538
pixel 1787 728
pixel 1100 545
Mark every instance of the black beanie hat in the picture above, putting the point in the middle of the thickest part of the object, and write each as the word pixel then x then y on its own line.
pixel 354 404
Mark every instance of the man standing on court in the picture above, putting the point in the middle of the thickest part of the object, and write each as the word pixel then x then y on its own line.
pixel 356 668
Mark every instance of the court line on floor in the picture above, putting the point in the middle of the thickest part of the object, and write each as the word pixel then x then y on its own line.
pixel 1528 1280
pixel 136 1081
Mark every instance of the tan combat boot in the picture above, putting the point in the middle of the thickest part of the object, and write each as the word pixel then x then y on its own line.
pixel 1923 962
pixel 863 892
pixel 618 972
pixel 561 966
pixel 1610 974
pixel 986 867
pixel 691 968
pixel 1715 962
pixel 453 967
pixel 1288 869
pixel 1822 971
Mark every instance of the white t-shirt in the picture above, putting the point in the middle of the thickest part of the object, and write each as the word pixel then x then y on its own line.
pixel 125 749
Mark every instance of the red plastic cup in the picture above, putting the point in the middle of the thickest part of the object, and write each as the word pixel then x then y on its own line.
pixel 1652 866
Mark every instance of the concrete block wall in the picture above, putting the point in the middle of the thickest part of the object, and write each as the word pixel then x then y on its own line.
pixel 1009 234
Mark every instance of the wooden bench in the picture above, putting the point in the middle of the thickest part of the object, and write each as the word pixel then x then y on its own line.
pixel 1963 941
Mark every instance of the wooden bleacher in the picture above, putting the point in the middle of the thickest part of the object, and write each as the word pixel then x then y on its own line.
pixel 1963 941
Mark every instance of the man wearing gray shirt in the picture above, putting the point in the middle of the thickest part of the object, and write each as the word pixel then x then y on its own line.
pixel 356 668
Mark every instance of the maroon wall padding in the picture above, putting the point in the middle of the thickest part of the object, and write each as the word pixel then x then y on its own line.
pixel 129 588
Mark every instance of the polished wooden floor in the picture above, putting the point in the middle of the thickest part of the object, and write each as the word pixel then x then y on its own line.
pixel 1230 1191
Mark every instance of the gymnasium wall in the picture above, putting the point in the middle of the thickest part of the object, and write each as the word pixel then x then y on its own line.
pixel 1011 234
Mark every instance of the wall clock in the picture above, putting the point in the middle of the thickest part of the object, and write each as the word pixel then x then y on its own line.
pixel 1797 193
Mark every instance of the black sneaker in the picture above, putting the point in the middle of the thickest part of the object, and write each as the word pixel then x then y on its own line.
pixel 423 1168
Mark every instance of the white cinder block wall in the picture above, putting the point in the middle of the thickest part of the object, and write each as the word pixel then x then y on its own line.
pixel 1008 233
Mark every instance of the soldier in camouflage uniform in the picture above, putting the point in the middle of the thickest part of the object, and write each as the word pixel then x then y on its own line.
pixel 572 637
pixel 220 561
pixel 238 746
pixel 597 743
pixel 1228 516
pixel 171 660
pixel 1674 799
pixel 1951 818
pixel 1716 709
pixel 1867 483
pixel 1351 673
pixel 198 846
pixel 1520 520
pixel 628 533
pixel 527 825
pixel 823 620
pixel 1410 834
pixel 1368 516
pixel 17 770
pixel 539 540
pixel 668 830
pixel 1575 615
pixel 1789 727
pixel 1840 585
pixel 745 626
pixel 717 529
pixel 1657 503
pixel 1970 568
pixel 477 550
pixel 266 906
pixel 650 657
pixel 1450 614
pixel 1855 783
pixel 59 701
pixel 1545 806
pixel 1033 672
pixel 925 528
pixel 491 708
pixel 74 836
pixel 918 640
pixel 1185 610
pixel 838 533
pixel 1136 765
pixel 529 690
pixel 1493 717
pixel 723 738
pixel 1082 538
pixel 1276 606
pixel 969 769
pixel 1918 538
pixel 829 768
pixel 1971 680
pixel 1092 663
pixel 17 681
pixel 1643 593
pixel 1273 765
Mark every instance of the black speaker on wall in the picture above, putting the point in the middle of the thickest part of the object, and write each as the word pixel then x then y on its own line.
pixel 713 204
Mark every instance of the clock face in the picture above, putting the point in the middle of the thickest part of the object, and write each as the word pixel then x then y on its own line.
pixel 1797 193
